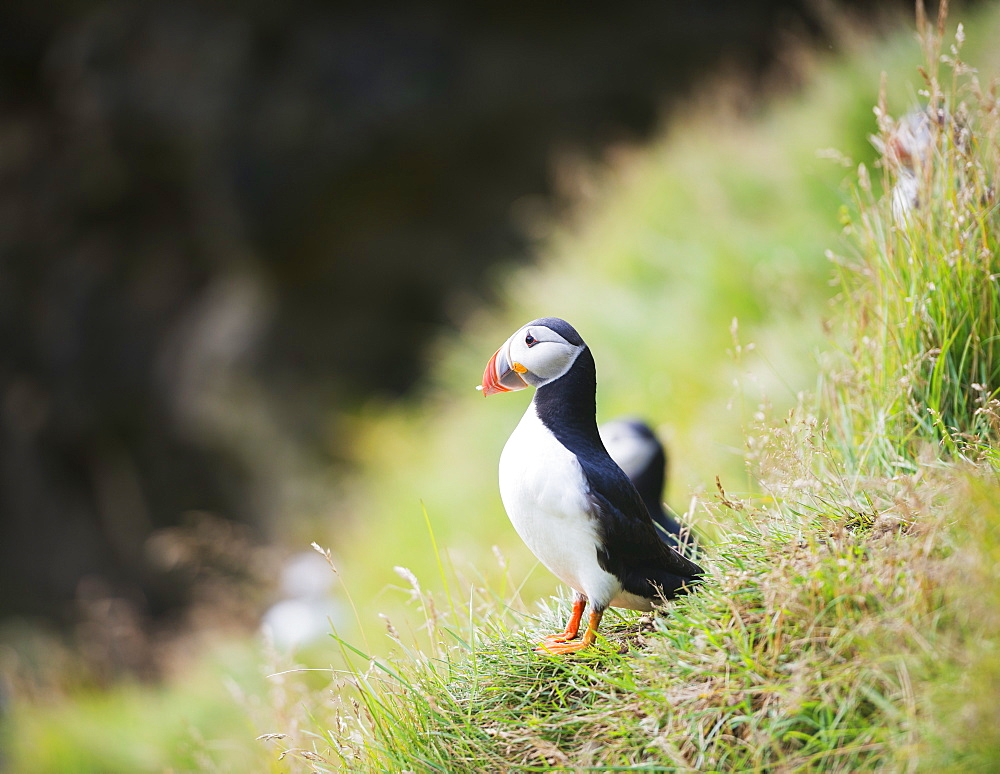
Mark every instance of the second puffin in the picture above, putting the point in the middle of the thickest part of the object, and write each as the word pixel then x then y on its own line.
pixel 568 500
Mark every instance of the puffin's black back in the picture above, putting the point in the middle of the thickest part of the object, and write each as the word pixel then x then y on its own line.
pixel 631 549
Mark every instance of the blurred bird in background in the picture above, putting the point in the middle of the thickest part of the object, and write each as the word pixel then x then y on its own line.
pixel 306 613
pixel 634 446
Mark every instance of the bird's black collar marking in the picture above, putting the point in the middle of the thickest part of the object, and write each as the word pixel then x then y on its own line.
pixel 568 408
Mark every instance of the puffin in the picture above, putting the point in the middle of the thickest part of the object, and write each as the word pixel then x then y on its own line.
pixel 634 446
pixel 567 499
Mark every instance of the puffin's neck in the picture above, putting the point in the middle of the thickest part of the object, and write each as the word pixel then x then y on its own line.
pixel 568 406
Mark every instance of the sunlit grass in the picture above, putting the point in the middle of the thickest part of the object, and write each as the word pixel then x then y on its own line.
pixel 812 647
pixel 725 218
pixel 839 629
pixel 923 292
pixel 850 622
pixel 189 722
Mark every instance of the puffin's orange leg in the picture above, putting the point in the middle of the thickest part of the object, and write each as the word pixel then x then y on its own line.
pixel 573 626
pixel 561 647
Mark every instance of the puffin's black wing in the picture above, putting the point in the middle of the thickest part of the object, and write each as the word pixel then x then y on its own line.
pixel 632 550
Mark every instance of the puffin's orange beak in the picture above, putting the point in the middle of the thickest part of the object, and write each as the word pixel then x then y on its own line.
pixel 501 375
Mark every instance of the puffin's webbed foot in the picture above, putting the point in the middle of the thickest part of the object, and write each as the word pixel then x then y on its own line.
pixel 559 648
pixel 563 637
pixel 572 626
pixel 559 644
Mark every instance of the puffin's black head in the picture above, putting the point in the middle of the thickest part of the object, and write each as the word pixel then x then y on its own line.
pixel 540 352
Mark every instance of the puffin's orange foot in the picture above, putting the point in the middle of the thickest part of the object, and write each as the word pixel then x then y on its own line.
pixel 561 637
pixel 558 644
pixel 559 647
pixel 572 628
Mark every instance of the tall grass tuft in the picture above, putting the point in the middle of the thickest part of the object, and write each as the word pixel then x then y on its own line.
pixel 921 297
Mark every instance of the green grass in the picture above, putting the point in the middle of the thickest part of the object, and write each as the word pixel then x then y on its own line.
pixel 724 219
pixel 851 620
pixel 925 349
pixel 811 648
pixel 196 722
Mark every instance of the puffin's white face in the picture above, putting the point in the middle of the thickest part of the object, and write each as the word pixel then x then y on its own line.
pixel 532 357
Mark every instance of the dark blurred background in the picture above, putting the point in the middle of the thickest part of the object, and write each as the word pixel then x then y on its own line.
pixel 223 224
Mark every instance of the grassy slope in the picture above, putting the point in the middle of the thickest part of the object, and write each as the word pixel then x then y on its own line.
pixel 815 649
pixel 722 218
pixel 845 628
pixel 808 640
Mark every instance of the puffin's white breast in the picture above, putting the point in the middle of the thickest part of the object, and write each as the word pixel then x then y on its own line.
pixel 544 491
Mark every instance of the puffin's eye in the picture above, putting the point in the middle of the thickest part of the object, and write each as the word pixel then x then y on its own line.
pixel 530 340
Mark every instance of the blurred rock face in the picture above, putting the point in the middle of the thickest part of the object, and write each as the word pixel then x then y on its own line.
pixel 221 221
